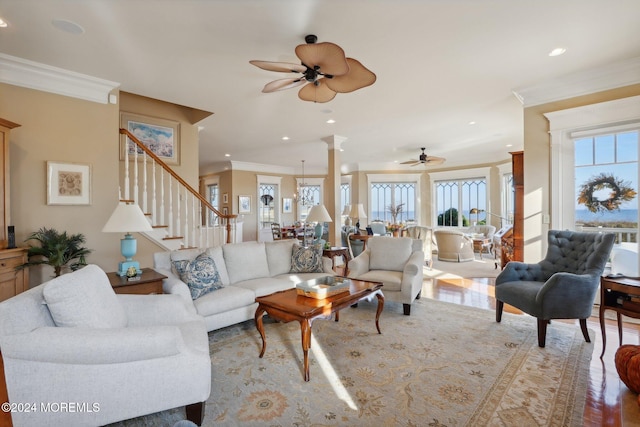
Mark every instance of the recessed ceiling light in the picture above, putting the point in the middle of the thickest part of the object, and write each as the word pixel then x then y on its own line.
pixel 227 155
pixel 342 149
pixel 285 138
pixel 557 51
pixel 331 121
pixel 509 145
pixel 472 122
pixel 3 23
pixel 67 26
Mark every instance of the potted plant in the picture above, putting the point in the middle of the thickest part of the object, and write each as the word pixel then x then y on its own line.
pixel 395 210
pixel 56 249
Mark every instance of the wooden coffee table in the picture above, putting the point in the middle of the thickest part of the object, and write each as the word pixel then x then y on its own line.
pixel 286 306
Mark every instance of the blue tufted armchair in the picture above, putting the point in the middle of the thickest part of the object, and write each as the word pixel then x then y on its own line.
pixel 561 286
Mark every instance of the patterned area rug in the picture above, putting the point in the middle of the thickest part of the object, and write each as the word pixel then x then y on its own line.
pixel 445 365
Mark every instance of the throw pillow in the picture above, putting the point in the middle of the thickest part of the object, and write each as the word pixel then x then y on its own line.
pixel 306 259
pixel 84 299
pixel 200 274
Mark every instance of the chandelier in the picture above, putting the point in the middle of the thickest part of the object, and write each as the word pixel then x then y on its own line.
pixel 304 194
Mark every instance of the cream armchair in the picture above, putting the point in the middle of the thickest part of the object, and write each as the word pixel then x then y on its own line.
pixel 73 341
pixel 397 263
pixel 453 245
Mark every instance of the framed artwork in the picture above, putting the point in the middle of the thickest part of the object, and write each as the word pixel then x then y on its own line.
pixel 225 211
pixel 161 136
pixel 244 204
pixel 287 205
pixel 225 198
pixel 68 183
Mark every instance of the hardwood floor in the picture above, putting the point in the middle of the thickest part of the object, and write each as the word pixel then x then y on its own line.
pixel 608 401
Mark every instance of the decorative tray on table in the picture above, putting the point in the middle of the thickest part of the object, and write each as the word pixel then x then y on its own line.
pixel 323 287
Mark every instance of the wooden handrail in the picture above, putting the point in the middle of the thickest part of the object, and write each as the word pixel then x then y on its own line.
pixel 170 171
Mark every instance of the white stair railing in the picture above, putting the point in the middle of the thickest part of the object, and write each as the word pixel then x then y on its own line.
pixel 163 194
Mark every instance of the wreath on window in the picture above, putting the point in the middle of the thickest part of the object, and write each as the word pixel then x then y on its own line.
pixel 620 192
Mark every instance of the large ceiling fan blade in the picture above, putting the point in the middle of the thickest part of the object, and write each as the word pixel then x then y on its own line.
pixel 316 92
pixel 329 57
pixel 410 162
pixel 431 160
pixel 357 78
pixel 283 84
pixel 283 67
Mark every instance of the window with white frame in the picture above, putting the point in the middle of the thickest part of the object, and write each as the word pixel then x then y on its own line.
pixel 391 191
pixel 594 167
pixel 460 198
pixel 213 196
pixel 345 195
pixel 460 203
pixel 606 181
pixel 268 206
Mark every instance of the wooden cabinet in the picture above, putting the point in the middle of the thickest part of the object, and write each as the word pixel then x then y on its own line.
pixel 517 164
pixel 13 281
pixel 5 217
pixel 503 246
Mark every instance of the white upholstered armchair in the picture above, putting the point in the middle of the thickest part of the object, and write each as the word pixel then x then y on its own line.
pixel 114 357
pixel 453 245
pixel 397 263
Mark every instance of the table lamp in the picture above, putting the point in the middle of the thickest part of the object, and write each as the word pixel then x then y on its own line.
pixel 345 213
pixel 127 218
pixel 357 212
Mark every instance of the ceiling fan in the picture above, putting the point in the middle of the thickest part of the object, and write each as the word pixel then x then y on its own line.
pixel 425 160
pixel 325 71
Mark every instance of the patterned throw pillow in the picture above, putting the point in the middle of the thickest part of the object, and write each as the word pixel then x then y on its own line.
pixel 306 260
pixel 200 274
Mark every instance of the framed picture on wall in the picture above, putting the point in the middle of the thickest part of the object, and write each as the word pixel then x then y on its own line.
pixel 68 183
pixel 225 198
pixel 225 211
pixel 287 205
pixel 161 136
pixel 244 204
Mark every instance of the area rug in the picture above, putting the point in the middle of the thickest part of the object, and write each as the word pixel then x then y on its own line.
pixel 445 365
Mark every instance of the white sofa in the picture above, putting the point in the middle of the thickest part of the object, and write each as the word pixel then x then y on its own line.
pixel 72 341
pixel 397 263
pixel 247 270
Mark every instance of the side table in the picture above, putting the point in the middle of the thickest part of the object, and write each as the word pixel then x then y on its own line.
pixel 150 282
pixel 622 295
pixel 335 251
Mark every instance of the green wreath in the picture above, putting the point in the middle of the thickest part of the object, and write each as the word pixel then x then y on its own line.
pixel 620 192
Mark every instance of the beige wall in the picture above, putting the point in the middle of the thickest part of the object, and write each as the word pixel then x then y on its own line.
pixel 64 129
pixel 537 173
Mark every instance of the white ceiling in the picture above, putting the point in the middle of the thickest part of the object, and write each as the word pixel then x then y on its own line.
pixel 440 64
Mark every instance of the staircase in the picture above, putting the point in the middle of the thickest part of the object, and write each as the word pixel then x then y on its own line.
pixel 180 216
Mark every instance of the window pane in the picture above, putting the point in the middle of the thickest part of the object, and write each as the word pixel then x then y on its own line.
pixel 584 152
pixel 605 149
pixel 627 146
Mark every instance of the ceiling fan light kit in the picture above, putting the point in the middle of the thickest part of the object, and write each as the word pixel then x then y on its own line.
pixel 325 69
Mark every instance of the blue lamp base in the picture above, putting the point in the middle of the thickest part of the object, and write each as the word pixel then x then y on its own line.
pixel 128 247
pixel 123 266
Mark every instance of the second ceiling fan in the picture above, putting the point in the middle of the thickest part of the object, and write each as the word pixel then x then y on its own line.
pixel 325 71
pixel 423 159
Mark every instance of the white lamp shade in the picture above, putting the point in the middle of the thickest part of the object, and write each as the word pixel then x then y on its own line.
pixel 318 213
pixel 346 210
pixel 357 211
pixel 126 219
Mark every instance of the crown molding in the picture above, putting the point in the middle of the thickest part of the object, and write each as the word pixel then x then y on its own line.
pixel 610 76
pixel 33 75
